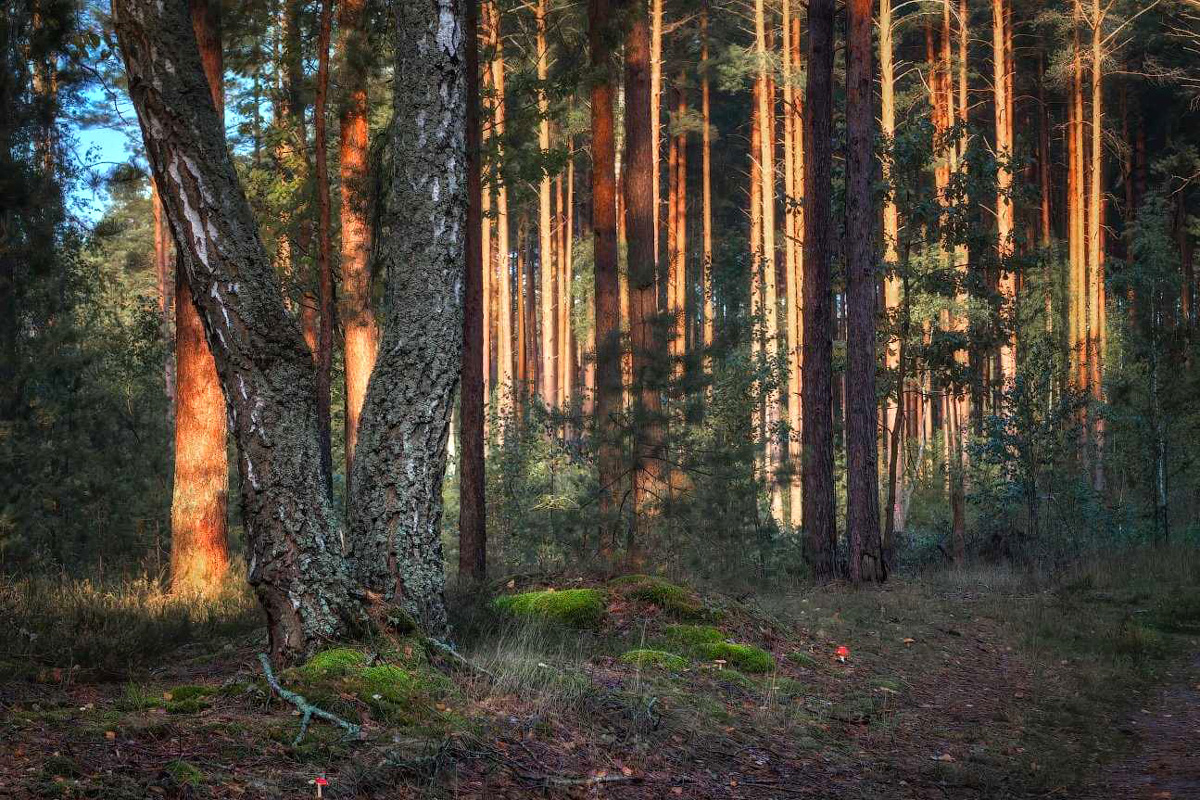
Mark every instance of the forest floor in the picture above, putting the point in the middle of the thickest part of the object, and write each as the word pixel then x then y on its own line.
pixel 956 684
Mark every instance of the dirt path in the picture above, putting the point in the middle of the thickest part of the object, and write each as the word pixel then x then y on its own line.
pixel 1166 762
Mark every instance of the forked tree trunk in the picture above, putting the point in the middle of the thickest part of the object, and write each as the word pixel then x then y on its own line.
pixel 295 541
pixel 817 395
pixel 396 500
pixel 862 497
pixel 199 536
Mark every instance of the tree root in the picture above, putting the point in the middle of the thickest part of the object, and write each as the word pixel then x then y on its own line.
pixel 458 658
pixel 307 709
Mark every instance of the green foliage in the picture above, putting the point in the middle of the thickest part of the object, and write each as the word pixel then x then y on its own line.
pixel 333 663
pixel 658 659
pixel 578 608
pixel 675 600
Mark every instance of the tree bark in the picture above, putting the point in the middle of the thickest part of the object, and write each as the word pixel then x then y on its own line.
pixel 1002 100
pixel 710 309
pixel 199 536
pixel 607 345
pixel 862 498
pixel 358 319
pixel 472 509
pixel 893 433
pixel 396 507
pixel 817 395
pixel 548 348
pixel 504 284
pixel 294 538
pixel 644 333
pixel 324 352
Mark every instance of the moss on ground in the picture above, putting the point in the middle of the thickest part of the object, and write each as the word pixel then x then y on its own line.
pixel 578 608
pixel 659 659
pixel 694 635
pixel 333 663
pixel 677 601
pixel 184 773
pixel 745 657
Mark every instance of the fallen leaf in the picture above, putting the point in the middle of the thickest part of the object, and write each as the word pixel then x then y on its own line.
pixel 909 641
pixel 110 735
pixel 945 757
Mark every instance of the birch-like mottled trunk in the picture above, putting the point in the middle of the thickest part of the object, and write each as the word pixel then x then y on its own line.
pixel 294 537
pixel 396 499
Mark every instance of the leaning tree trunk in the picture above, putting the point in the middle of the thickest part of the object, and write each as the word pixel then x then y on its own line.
pixel 295 540
pixel 396 500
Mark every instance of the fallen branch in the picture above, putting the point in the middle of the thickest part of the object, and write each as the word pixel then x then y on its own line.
pixel 307 709
pixel 458 658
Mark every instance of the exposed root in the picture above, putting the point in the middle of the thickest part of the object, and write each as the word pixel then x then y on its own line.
pixel 307 709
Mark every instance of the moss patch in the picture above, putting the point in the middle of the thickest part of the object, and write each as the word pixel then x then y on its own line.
pixel 675 600
pixel 802 659
pixel 659 659
pixel 333 663
pixel 184 773
pixel 745 657
pixel 578 608
pixel 694 635
pixel 187 692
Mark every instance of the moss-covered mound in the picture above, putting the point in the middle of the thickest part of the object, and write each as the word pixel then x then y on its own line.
pixel 745 657
pixel 659 659
pixel 578 608
pixel 677 601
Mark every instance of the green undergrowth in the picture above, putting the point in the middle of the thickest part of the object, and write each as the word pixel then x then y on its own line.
pixel 675 600
pixel 397 685
pixel 576 608
pixel 659 659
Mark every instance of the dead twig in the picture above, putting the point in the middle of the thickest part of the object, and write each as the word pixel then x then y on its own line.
pixel 307 709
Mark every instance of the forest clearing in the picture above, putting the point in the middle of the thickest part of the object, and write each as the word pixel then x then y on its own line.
pixel 600 398
pixel 971 684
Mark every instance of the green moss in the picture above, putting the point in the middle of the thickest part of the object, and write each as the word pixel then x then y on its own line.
pixel 745 657
pixel 60 766
pixel 192 705
pixel 187 692
pixel 137 698
pixel 675 600
pixel 578 608
pixel 694 635
pixel 655 658
pixel 333 663
pixel 184 773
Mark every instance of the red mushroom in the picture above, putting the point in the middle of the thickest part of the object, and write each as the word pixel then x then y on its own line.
pixel 842 653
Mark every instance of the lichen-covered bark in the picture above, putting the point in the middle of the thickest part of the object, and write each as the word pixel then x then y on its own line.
pixel 295 540
pixel 396 503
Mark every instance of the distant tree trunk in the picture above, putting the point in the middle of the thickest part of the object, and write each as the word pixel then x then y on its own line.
pixel 397 487
pixel 199 537
pixel 1002 99
pixel 893 405
pixel 504 294
pixel 862 498
pixel 710 309
pixel 643 323
pixel 678 244
pixel 607 345
pixel 358 320
pixel 324 354
pixel 1096 298
pixel 472 510
pixel 817 396
pixel 548 349
pixel 656 60
pixel 795 279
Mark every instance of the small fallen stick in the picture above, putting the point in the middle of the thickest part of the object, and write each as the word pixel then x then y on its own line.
pixel 307 709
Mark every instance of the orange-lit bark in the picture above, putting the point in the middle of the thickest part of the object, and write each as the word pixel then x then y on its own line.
pixel 547 348
pixel 506 386
pixel 710 310
pixel 795 277
pixel 199 537
pixel 893 405
pixel 1002 102
pixel 357 318
pixel 1097 339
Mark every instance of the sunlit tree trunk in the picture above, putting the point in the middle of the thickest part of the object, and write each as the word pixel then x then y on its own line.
pixel 607 328
pixel 679 216
pixel 357 318
pixel 757 311
pixel 546 267
pixel 893 405
pixel 793 177
pixel 1002 101
pixel 472 509
pixel 199 537
pixel 817 399
pixel 1096 299
pixel 656 82
pixel 710 309
pixel 506 385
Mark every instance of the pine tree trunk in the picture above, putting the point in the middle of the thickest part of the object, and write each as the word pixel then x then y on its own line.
pixel 710 310
pixel 893 405
pixel 199 536
pixel 504 278
pixel 472 509
pixel 547 348
pixel 607 328
pixel 1096 299
pixel 648 353
pixel 817 399
pixel 165 275
pixel 357 318
pixel 324 352
pixel 1002 100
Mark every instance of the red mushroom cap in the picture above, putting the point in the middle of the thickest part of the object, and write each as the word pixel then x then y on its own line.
pixel 843 651
pixel 321 781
